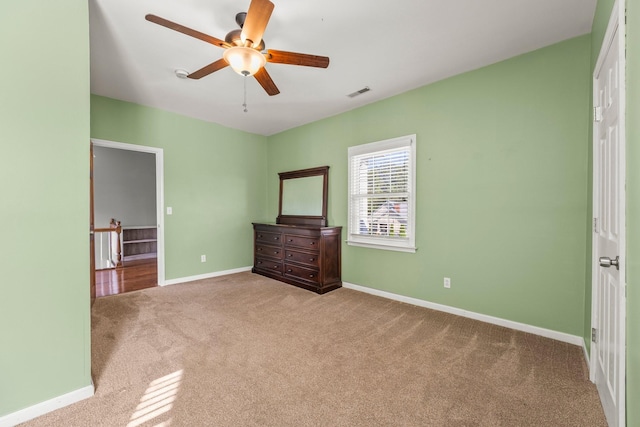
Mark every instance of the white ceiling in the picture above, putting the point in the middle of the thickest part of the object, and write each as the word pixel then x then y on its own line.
pixel 390 46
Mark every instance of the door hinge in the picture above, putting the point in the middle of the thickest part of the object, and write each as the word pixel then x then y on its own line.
pixel 597 114
pixel 595 225
pixel 594 335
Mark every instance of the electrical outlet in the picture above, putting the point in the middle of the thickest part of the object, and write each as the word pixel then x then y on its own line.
pixel 203 258
pixel 447 282
pixel 169 210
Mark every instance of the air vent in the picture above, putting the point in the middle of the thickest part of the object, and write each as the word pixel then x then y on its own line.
pixel 359 92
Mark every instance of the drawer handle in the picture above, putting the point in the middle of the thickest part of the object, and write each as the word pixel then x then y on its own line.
pixel 259 262
pixel 289 240
pixel 259 249
pixel 290 255
pixel 276 238
pixel 276 252
pixel 259 235
pixel 313 243
pixel 289 271
pixel 312 259
pixel 311 275
pixel 275 266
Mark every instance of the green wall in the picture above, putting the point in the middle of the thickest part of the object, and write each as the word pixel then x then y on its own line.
pixel 501 184
pixel 213 180
pixel 633 212
pixel 44 170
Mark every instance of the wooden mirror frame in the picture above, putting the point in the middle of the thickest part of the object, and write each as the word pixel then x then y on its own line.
pixel 305 219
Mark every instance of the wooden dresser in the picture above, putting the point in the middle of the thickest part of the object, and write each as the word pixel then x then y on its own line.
pixel 307 256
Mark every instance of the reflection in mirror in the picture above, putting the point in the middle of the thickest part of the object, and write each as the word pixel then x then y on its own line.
pixel 302 196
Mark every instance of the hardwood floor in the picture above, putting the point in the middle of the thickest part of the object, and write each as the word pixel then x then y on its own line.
pixel 135 275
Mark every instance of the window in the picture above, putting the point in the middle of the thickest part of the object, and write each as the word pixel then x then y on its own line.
pixel 382 194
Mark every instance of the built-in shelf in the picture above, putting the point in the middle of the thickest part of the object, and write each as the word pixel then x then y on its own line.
pixel 139 242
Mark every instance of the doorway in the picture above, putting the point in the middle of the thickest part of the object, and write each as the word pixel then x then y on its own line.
pixel 608 313
pixel 143 266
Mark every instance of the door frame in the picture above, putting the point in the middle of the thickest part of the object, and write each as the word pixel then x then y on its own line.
pixel 92 242
pixel 159 154
pixel 616 24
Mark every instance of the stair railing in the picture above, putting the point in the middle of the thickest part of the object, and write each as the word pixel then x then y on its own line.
pixel 109 255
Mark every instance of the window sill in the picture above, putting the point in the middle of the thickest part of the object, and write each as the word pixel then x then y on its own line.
pixel 408 249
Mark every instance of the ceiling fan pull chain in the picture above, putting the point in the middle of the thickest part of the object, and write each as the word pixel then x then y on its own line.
pixel 245 95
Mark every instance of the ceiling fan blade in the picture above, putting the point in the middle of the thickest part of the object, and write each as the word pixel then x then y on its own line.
pixel 256 21
pixel 211 68
pixel 186 30
pixel 293 58
pixel 265 81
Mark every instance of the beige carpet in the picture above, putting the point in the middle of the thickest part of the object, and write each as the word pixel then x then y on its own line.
pixel 244 350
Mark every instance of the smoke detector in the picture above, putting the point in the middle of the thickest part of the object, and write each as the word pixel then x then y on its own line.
pixel 181 74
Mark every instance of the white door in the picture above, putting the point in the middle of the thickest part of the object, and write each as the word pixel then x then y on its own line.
pixel 609 301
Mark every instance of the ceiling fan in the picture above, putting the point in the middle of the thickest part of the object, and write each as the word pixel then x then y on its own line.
pixel 245 48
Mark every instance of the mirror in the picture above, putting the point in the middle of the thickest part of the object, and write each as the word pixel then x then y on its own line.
pixel 300 196
pixel 303 197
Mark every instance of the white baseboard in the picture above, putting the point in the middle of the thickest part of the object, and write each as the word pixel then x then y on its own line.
pixel 47 406
pixel 548 333
pixel 586 353
pixel 205 276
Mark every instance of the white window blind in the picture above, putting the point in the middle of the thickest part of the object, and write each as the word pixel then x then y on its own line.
pixel 382 194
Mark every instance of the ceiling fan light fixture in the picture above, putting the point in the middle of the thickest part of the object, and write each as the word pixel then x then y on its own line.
pixel 244 60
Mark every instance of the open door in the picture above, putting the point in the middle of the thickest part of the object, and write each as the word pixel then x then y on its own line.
pixel 608 316
pixel 159 192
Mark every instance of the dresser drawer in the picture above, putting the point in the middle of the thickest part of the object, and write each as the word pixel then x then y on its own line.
pixel 301 255
pixel 301 241
pixel 309 258
pixel 266 237
pixel 267 264
pixel 304 273
pixel 269 251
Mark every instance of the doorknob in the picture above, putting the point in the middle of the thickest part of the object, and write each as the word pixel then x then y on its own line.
pixel 605 261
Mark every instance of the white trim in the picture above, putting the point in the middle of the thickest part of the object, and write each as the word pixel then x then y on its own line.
pixel 387 144
pixel 373 242
pixel 586 353
pixel 617 24
pixel 159 153
pixel 47 406
pixel 378 246
pixel 205 276
pixel 547 333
